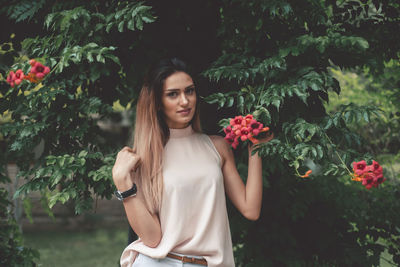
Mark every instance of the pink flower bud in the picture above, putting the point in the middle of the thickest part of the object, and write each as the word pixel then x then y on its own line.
pixel 39 70
pixel 368 180
pixel 230 138
pixel 359 167
pixel 40 75
pixel 227 129
pixel 236 120
pixel 235 143
pixel 379 179
pixel 245 131
pixel 19 75
pixel 376 168
pixel 255 132
pixel 46 70
pixel 11 78
pixel 248 117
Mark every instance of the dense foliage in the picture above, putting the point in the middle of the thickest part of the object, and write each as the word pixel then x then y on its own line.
pixel 277 57
pixel 269 58
pixel 378 90
pixel 12 250
pixel 64 110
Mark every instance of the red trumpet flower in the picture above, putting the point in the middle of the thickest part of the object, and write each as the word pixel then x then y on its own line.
pixel 245 128
pixel 369 175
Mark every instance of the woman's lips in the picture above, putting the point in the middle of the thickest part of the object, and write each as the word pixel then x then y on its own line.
pixel 185 111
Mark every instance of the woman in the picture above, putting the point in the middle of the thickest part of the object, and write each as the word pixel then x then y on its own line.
pixel 173 181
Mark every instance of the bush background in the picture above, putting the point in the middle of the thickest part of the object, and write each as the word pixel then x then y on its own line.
pixel 280 60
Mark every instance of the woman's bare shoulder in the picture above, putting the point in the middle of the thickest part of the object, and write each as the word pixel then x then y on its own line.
pixel 220 144
pixel 216 138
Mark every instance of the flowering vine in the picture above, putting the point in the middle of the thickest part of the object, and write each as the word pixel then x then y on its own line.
pixel 36 73
pixel 369 175
pixel 246 128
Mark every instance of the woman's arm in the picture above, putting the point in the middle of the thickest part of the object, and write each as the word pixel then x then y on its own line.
pixel 146 225
pixel 246 198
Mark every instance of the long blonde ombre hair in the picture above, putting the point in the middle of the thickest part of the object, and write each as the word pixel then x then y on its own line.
pixel 152 132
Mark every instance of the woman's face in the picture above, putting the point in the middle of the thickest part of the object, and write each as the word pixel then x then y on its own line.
pixel 178 100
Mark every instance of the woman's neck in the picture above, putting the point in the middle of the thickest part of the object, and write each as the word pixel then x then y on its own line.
pixel 181 132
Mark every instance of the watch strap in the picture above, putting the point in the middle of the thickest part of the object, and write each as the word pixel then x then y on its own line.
pixel 131 192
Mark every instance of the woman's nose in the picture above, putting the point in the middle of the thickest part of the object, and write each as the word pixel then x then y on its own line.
pixel 184 99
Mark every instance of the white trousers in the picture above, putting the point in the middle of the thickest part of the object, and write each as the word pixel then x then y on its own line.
pixel 145 261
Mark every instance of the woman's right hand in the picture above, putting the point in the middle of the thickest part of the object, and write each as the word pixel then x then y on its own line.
pixel 125 164
pixel 146 225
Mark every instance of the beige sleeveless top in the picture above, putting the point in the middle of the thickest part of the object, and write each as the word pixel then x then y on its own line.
pixel 193 215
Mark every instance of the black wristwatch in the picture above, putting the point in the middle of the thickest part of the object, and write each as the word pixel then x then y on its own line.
pixel 122 195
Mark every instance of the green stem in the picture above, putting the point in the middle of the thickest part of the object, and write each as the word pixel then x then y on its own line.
pixel 55 67
pixel 340 158
pixel 260 94
pixel 297 171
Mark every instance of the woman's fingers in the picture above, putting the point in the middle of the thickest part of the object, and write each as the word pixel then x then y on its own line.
pixel 267 138
pixel 138 162
pixel 127 148
pixel 127 161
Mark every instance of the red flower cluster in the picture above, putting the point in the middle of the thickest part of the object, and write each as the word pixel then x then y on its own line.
pixel 37 72
pixel 15 78
pixel 243 128
pixel 369 175
pixel 38 69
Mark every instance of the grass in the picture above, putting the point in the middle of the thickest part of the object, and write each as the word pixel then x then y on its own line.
pixel 100 247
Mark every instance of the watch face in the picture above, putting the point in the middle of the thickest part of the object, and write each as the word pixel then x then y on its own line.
pixel 118 195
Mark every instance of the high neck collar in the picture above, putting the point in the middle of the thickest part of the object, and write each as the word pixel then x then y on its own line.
pixel 176 133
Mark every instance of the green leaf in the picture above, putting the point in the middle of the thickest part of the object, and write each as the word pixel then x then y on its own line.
pixel 296 164
pixel 240 101
pixel 328 124
pixel 131 25
pixel 109 26
pixel 276 102
pixel 221 102
pixel 113 58
pixel 61 161
pixel 363 44
pixel 56 178
pixel 119 14
pixel 81 161
pixel 100 58
pixel 230 101
pixel 121 26
pixel 212 99
pixel 304 151
pixel 148 19
pixel 50 160
pixel 320 152
pixel 366 116
pixel 89 57
pixel 82 154
pixel 139 23
pixel 321 47
pixel 28 209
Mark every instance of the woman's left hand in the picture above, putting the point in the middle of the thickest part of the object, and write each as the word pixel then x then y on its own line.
pixel 266 139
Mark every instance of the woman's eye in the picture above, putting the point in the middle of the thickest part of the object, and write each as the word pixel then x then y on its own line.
pixel 173 94
pixel 190 90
